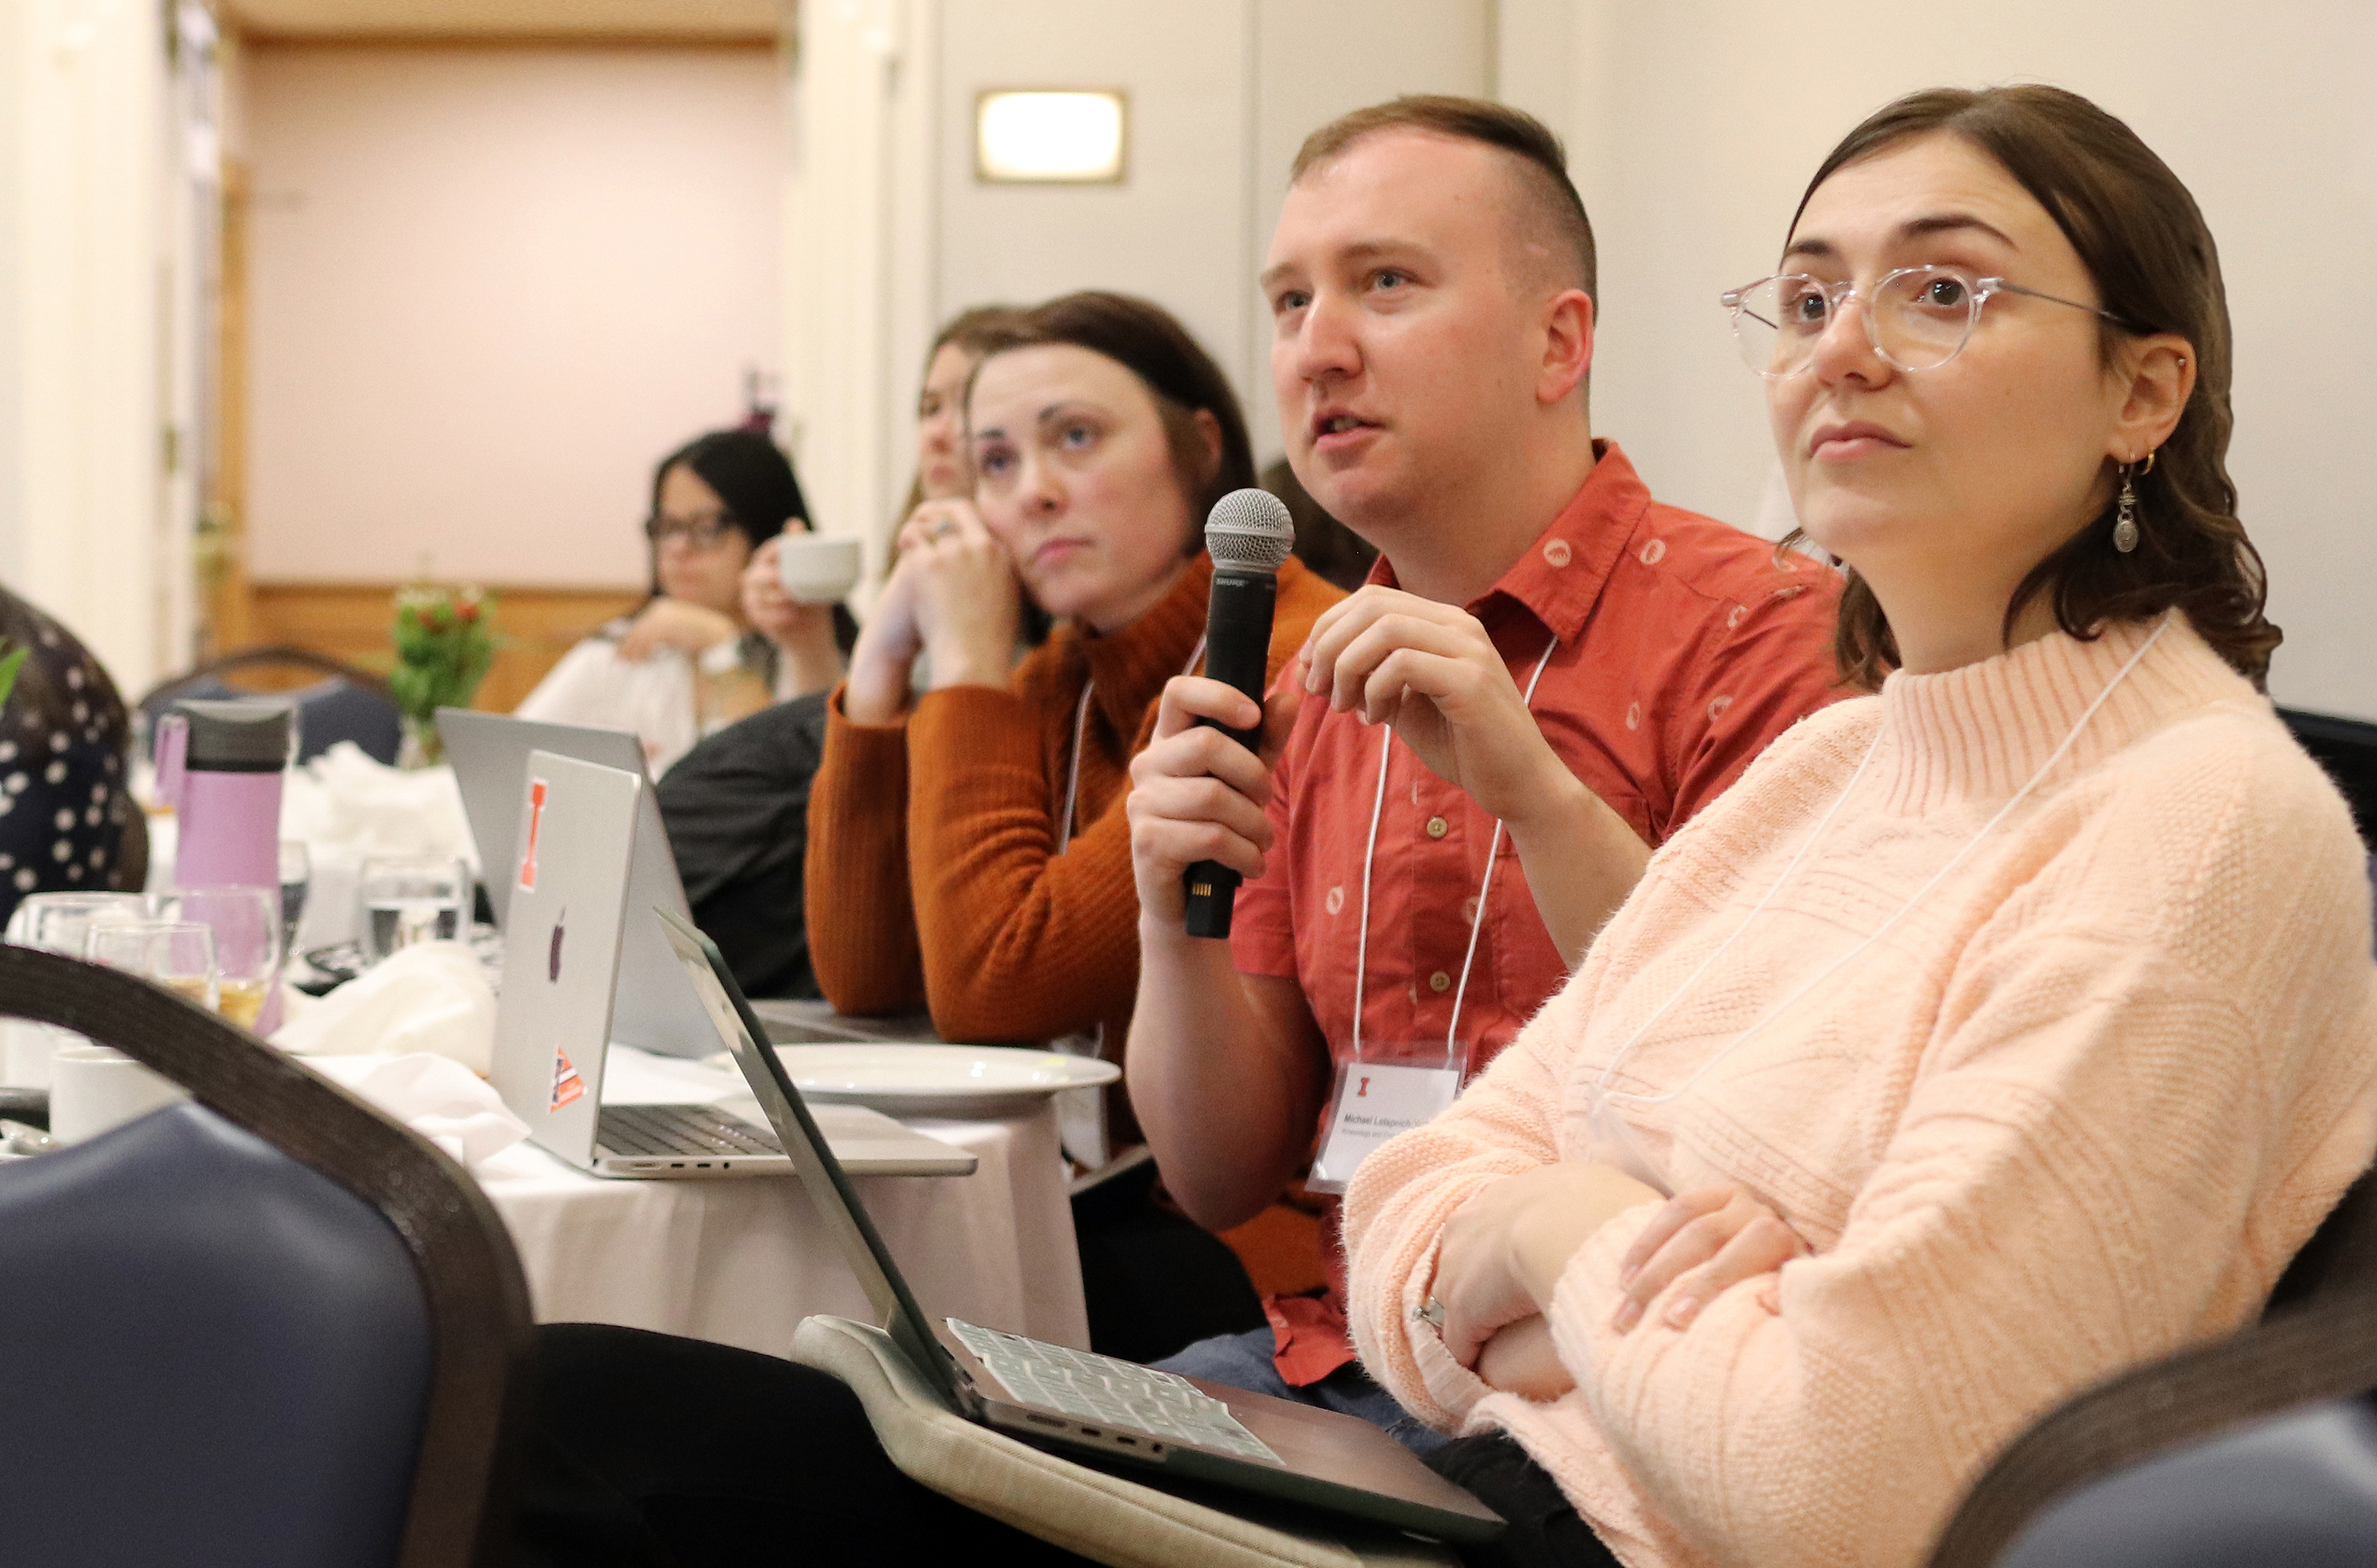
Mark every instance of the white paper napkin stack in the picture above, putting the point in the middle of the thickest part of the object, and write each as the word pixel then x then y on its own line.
pixel 432 997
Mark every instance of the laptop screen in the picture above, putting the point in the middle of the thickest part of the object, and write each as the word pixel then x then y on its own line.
pixel 821 1174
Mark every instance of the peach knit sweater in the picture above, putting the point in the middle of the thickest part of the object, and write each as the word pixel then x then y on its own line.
pixel 2075 1111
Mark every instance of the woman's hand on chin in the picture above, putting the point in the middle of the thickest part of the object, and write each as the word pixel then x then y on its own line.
pixel 886 649
pixel 1503 1251
pixel 691 629
pixel 969 606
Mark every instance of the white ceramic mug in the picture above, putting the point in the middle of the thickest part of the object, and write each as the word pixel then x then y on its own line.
pixel 818 568
pixel 93 1088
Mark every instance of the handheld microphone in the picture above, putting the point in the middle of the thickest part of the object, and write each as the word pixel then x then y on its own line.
pixel 1248 534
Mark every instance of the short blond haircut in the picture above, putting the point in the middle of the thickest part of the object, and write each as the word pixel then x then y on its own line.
pixel 1547 211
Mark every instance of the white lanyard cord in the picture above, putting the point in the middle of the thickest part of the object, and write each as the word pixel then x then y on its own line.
pixel 1477 920
pixel 1073 769
pixel 1601 1087
pixel 1081 726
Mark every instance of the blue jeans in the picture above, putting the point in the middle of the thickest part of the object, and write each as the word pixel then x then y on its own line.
pixel 1243 1360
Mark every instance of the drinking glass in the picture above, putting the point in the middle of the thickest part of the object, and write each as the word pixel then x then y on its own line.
pixel 59 922
pixel 411 898
pixel 297 879
pixel 178 954
pixel 247 926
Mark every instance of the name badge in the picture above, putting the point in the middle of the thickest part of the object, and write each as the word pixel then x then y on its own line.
pixel 1373 1103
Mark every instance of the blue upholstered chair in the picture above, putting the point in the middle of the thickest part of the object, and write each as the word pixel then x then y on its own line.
pixel 267 1327
pixel 346 704
pixel 2257 1451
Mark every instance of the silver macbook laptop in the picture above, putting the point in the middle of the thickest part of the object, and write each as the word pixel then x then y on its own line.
pixel 651 1010
pixel 1092 1408
pixel 567 887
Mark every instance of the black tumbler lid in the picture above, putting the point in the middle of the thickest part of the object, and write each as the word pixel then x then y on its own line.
pixel 236 737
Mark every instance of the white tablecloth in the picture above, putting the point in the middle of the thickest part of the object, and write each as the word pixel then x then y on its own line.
pixel 742 1261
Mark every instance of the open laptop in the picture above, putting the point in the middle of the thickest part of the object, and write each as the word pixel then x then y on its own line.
pixel 1089 1406
pixel 651 1010
pixel 568 889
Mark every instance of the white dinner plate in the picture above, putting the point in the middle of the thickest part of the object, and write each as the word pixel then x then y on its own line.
pixel 940 1080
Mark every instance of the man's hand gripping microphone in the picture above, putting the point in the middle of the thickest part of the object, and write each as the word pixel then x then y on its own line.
pixel 1248 534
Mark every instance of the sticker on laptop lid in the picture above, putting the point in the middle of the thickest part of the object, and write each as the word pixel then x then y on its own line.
pixel 566 1084
pixel 536 789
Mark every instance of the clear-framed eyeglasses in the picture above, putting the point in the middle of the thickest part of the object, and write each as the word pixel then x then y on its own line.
pixel 1916 319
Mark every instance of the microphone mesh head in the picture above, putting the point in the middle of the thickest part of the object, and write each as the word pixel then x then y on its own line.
pixel 1250 528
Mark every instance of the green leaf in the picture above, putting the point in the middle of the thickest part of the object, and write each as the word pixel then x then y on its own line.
pixel 9 665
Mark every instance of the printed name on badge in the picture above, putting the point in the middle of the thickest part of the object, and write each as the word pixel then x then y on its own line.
pixel 1374 1102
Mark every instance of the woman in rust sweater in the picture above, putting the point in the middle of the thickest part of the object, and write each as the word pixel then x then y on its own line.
pixel 968 851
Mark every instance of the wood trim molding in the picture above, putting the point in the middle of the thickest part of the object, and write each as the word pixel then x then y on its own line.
pixel 350 622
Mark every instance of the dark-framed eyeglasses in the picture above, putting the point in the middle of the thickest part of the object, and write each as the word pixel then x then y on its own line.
pixel 1916 319
pixel 702 530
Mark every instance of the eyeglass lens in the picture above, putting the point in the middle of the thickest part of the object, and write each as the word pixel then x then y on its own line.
pixel 701 531
pixel 1916 319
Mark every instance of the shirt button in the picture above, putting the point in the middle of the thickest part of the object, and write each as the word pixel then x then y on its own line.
pixel 1439 981
pixel 1558 553
pixel 1437 829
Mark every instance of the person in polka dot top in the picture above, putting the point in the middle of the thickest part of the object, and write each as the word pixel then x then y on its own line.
pixel 66 822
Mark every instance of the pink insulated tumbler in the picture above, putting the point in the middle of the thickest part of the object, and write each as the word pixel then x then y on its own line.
pixel 218 765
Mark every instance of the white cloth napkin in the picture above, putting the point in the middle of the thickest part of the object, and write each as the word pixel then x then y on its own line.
pixel 435 1096
pixel 432 996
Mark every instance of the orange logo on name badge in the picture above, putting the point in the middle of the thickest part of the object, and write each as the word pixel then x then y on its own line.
pixel 566 1084
pixel 535 822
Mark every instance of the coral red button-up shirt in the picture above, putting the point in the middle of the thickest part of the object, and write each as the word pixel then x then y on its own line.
pixel 1684 645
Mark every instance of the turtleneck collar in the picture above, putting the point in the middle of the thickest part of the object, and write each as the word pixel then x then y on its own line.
pixel 1979 732
pixel 1131 665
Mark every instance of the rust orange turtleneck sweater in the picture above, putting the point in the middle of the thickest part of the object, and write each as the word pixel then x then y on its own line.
pixel 933 873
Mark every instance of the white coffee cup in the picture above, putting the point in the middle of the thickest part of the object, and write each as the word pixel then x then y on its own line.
pixel 93 1088
pixel 818 568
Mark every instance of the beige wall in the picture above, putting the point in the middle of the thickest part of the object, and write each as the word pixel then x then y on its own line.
pixel 86 261
pixel 491 286
pixel 892 232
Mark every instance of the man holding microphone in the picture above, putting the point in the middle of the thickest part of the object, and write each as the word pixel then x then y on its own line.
pixel 1547 668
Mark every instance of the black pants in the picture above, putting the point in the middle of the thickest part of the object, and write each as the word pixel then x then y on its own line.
pixel 655 1452
pixel 1153 1281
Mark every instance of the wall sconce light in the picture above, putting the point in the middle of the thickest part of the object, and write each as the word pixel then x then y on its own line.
pixel 1049 137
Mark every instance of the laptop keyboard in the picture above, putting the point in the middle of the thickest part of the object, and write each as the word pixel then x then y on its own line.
pixel 1099 1388
pixel 678 1129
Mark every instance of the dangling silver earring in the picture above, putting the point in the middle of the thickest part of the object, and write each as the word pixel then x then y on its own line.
pixel 2125 526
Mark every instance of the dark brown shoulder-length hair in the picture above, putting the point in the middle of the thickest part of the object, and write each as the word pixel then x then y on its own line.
pixel 1146 339
pixel 2151 257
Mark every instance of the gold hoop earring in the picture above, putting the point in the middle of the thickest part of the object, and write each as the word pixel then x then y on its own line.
pixel 2125 525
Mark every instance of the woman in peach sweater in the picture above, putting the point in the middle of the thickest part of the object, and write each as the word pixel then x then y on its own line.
pixel 1994 1033
pixel 943 869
